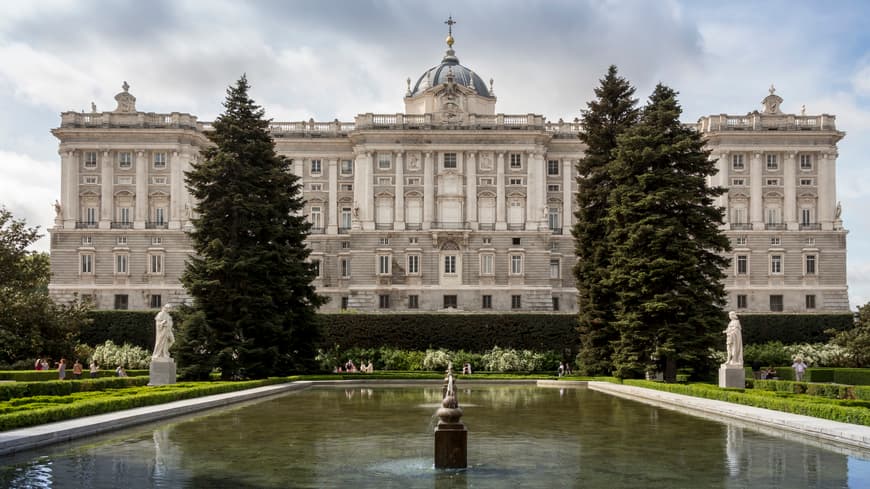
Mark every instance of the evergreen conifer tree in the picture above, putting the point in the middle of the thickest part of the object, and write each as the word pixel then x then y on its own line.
pixel 666 262
pixel 609 115
pixel 250 276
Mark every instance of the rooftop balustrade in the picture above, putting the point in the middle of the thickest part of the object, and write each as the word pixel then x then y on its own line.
pixel 767 122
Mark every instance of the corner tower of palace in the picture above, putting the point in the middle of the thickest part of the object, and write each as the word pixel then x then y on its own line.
pixel 446 206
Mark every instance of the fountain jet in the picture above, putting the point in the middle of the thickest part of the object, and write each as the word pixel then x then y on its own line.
pixel 451 437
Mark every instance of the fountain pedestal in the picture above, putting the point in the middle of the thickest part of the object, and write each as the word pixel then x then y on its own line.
pixel 451 437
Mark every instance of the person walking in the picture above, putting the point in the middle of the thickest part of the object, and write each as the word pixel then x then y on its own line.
pixel 77 369
pixel 799 368
pixel 61 369
pixel 94 369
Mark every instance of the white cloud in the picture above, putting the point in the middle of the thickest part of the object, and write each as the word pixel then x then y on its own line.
pixel 28 189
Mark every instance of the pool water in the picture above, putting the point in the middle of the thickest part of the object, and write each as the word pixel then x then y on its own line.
pixel 382 437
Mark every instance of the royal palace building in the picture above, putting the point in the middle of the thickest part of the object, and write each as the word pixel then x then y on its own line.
pixel 448 205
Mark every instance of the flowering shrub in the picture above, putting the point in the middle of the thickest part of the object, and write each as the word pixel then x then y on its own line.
pixel 510 360
pixel 819 354
pixel 111 355
pixel 436 359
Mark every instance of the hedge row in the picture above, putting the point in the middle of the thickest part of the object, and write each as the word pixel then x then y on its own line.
pixel 13 390
pixel 848 376
pixel 830 391
pixel 471 332
pixel 792 328
pixel 159 395
pixel 814 407
pixel 45 375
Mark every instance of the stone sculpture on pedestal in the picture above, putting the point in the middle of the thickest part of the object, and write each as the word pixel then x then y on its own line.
pixel 162 370
pixel 731 373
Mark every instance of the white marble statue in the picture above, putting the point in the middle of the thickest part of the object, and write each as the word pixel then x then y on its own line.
pixel 165 338
pixel 734 341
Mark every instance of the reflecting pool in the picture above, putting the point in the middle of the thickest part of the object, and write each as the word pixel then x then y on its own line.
pixel 382 437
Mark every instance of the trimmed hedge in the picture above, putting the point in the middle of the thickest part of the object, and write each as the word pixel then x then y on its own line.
pixel 469 332
pixel 792 328
pixel 848 376
pixel 14 390
pixel 116 402
pixel 134 327
pixel 808 406
pixel 46 375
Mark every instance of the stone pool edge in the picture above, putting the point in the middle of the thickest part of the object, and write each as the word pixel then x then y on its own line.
pixel 846 434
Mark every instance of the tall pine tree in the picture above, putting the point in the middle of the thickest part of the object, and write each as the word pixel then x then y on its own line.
pixel 250 277
pixel 609 115
pixel 667 261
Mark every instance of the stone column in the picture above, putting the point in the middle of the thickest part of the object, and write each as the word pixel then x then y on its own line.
pixel 755 200
pixel 176 163
pixel 368 204
pixel 428 190
pixel 69 188
pixel 186 204
pixel 540 169
pixel 567 196
pixel 723 165
pixel 827 190
pixel 107 184
pixel 399 214
pixel 332 216
pixel 533 214
pixel 789 201
pixel 500 223
pixel 471 190
pixel 358 189
pixel 140 215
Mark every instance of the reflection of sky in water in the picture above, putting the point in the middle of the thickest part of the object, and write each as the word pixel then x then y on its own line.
pixel 381 437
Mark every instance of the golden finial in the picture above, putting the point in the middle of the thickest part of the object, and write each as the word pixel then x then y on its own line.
pixel 450 23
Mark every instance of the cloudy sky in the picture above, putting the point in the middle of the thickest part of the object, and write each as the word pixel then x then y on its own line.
pixel 337 58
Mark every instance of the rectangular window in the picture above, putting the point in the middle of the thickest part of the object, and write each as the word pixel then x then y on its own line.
pixel 806 163
pixel 450 264
pixel 486 302
pixel 315 265
pixel 345 245
pixel 555 303
pixel 160 215
pixel 347 167
pixel 806 182
pixel 156 240
pixel 158 180
pixel 412 240
pixel 737 162
pixel 740 241
pixel 772 182
pixel 124 215
pixel 316 167
pixel 91 179
pixel 125 160
pixel 316 218
pixel 385 161
pixel 316 187
pixel 486 264
pixel 121 241
pixel 450 301
pixel 486 181
pixel 383 264
pixel 384 301
pixel 156 265
pixel 515 241
pixel 553 221
pixel 413 181
pixel 91 215
pixel 346 217
pixel 516 301
pixel 121 301
pixel 344 301
pixel 776 264
pixel 810 301
pixel 806 216
pixel 738 182
pixel 810 268
pixel 487 241
pixel 91 159
pixel 413 302
pixel 346 187
pixel 772 163
pixel 776 303
pixel 552 167
pixel 741 301
pixel 385 181
pixel 125 180
pixel 742 264
pixel 413 264
pixel 811 241
pixel 449 160
pixel 554 187
pixel 87 263
pixel 775 241
pixel 344 267
pixel 156 301
pixel 516 264
pixel 515 181
pixel 555 268
pixel 384 241
pixel 159 161
pixel 121 264
pixel 516 161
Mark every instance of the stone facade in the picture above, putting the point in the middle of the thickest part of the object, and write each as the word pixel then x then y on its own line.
pixel 447 206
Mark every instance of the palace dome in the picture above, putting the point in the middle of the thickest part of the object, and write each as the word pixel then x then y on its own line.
pixel 450 66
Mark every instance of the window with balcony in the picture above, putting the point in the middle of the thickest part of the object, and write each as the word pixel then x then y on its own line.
pixel 737 162
pixel 125 160
pixel 346 219
pixel 90 160
pixel 347 167
pixel 159 161
pixel 316 219
pixel 554 220
pixel 516 161
pixel 772 162
pixel 806 162
pixel 385 161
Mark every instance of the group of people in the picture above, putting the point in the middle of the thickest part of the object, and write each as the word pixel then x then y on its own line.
pixel 564 369
pixel 350 367
pixel 77 368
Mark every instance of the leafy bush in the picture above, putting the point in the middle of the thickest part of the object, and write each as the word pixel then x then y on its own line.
pixel 63 388
pixel 818 354
pixel 852 376
pixel 110 354
pixel 766 354
pixel 792 328
pixel 48 375
pixel 436 359
pixel 120 327
pixel 819 375
pixel 510 360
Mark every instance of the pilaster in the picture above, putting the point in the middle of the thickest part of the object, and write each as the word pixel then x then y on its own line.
pixel 141 213
pixel 332 217
pixel 500 204
pixel 567 196
pixel 399 211
pixel 107 184
pixel 471 190
pixel 755 198
pixel 69 188
pixel 428 190
pixel 790 192
pixel 175 186
pixel 368 203
pixel 827 189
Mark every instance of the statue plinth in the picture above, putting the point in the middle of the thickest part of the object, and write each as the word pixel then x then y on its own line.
pixel 732 376
pixel 451 442
pixel 162 371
